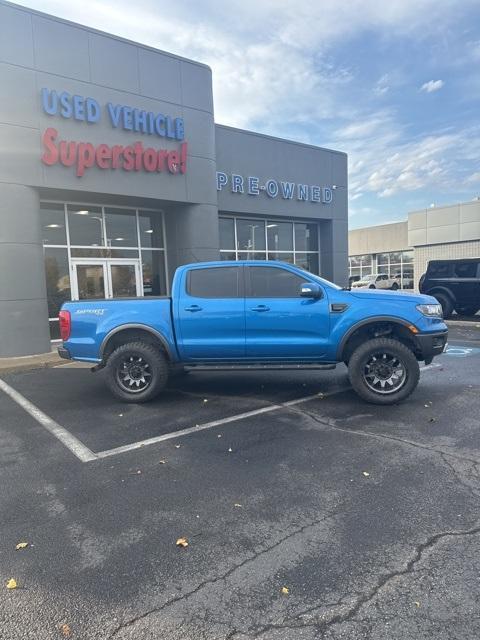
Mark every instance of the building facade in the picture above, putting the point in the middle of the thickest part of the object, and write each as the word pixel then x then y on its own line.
pixel 113 173
pixel 405 248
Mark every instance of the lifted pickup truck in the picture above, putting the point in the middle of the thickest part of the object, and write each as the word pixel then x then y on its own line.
pixel 256 313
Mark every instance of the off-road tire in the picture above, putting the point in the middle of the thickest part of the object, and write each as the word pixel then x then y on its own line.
pixel 157 368
pixel 372 286
pixel 446 302
pixel 394 348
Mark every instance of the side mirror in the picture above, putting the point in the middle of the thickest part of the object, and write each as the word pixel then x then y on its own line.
pixel 311 290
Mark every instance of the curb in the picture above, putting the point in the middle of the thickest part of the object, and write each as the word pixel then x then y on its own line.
pixel 473 324
pixel 29 366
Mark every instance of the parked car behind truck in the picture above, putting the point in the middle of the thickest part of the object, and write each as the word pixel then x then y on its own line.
pixel 455 284
pixel 256 313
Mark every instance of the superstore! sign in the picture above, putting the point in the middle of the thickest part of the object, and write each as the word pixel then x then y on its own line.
pixel 131 157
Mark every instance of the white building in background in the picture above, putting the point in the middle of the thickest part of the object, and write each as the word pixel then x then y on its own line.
pixel 405 248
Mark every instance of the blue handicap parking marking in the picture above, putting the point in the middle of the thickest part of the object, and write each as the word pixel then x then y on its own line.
pixel 461 352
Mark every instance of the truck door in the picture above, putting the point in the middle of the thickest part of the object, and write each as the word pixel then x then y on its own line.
pixel 281 325
pixel 211 313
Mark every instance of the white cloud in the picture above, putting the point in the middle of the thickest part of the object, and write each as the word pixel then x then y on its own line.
pixel 432 85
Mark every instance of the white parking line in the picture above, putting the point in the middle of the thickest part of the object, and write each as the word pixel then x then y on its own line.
pixel 82 452
pixel 214 423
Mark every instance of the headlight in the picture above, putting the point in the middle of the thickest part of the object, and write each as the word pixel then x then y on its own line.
pixel 434 310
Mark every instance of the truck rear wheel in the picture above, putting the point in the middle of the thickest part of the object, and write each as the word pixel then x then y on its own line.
pixel 136 372
pixel 383 371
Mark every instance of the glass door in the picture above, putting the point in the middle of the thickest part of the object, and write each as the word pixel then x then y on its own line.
pixel 96 279
pixel 89 280
pixel 124 279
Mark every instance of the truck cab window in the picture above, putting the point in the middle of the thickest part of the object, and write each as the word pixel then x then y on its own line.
pixel 217 282
pixel 273 282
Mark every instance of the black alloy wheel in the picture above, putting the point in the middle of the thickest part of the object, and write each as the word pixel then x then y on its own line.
pixel 383 371
pixel 137 372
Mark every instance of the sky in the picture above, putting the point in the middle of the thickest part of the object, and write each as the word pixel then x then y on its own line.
pixel 393 83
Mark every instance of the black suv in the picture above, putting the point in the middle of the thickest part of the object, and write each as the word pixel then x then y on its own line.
pixel 455 284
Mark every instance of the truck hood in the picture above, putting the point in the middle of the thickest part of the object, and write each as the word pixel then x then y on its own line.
pixel 381 294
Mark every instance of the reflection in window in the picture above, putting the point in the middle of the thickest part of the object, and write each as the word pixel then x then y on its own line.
pixel 280 236
pixel 307 261
pixel 121 227
pixel 150 228
pixel 53 223
pixel 250 235
pixel 153 269
pixel 306 237
pixel 293 242
pixel 284 257
pixel 85 226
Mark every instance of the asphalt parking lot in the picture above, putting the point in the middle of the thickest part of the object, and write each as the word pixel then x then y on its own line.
pixel 281 481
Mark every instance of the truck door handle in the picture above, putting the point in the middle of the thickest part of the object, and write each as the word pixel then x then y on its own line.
pixel 261 307
pixel 193 308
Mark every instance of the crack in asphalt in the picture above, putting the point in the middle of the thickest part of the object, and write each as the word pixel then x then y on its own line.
pixel 378 436
pixel 227 574
pixel 370 595
pixel 351 612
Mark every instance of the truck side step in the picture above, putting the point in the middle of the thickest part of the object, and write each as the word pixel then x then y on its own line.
pixel 260 367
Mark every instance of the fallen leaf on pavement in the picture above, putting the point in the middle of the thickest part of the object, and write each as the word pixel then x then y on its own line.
pixel 66 630
pixel 182 542
pixel 285 591
pixel 162 462
pixel 366 474
pixel 432 419
pixel 230 449
pixel 177 446
pixel 417 604
pixel 238 505
pixel 12 584
pixel 219 435
pixel 21 545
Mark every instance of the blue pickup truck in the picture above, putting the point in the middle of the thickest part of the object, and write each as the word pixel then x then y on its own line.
pixel 256 313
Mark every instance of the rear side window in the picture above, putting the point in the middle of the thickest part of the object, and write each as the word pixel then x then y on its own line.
pixel 439 270
pixel 273 282
pixel 218 282
pixel 465 269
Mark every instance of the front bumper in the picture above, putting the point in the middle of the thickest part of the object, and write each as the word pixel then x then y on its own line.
pixel 64 353
pixel 430 345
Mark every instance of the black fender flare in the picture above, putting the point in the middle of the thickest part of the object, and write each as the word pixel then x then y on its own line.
pixel 363 323
pixel 142 327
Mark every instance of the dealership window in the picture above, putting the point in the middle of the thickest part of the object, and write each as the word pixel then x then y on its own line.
pixel 360 266
pixel 396 264
pixel 124 240
pixel 255 239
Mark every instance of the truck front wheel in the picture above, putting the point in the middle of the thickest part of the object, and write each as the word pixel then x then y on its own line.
pixel 383 371
pixel 136 372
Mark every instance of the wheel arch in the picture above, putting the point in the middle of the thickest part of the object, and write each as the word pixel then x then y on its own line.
pixel 132 332
pixel 445 290
pixel 378 326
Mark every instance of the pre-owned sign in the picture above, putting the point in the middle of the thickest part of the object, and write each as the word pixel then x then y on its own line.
pixel 274 188
pixel 130 157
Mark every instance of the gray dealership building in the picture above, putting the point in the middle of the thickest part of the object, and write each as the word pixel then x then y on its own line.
pixel 113 173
